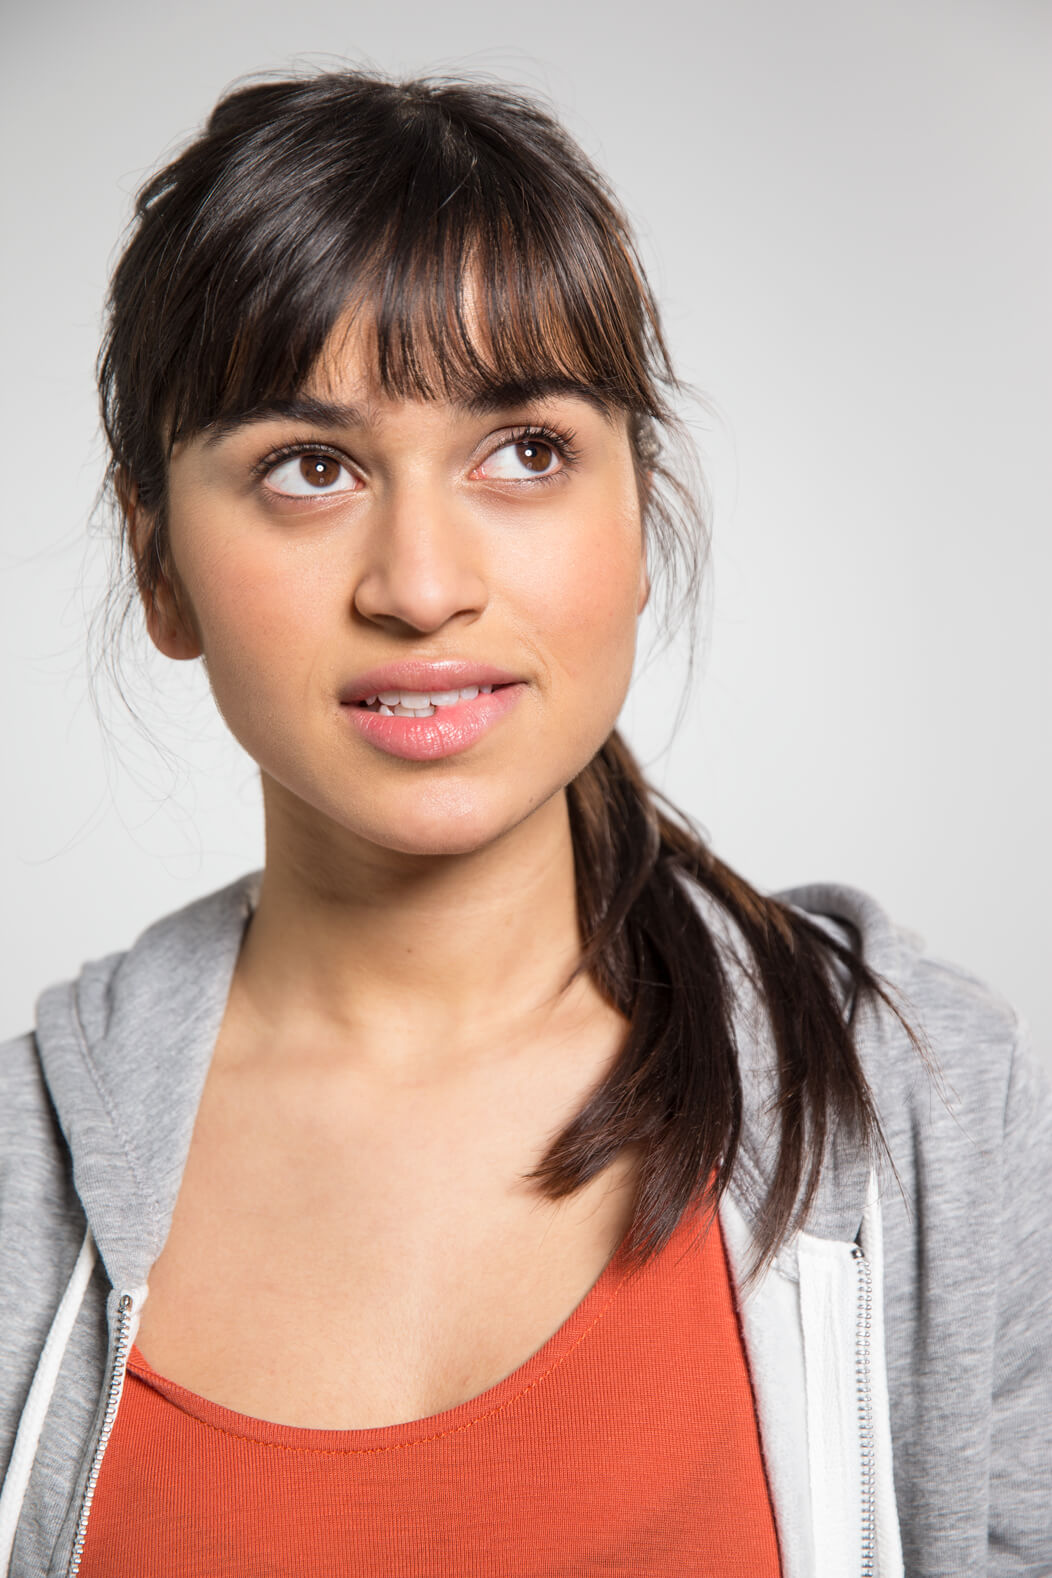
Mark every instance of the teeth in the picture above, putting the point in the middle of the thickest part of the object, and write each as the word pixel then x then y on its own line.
pixel 419 703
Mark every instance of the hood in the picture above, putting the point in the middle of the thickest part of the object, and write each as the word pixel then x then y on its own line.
pixel 125 1049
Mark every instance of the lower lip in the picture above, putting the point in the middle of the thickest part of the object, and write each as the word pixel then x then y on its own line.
pixel 446 732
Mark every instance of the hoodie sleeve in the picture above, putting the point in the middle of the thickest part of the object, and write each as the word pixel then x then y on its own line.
pixel 1020 1529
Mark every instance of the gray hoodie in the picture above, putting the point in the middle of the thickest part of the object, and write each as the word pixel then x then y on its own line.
pixel 900 1347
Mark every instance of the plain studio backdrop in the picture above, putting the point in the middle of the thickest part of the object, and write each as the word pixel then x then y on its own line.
pixel 845 212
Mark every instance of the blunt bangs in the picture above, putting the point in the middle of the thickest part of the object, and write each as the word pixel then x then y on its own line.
pixel 459 224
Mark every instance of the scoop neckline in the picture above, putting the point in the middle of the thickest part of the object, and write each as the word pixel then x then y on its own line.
pixel 533 1372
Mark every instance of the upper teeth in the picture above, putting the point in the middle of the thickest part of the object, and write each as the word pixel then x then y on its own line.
pixel 420 700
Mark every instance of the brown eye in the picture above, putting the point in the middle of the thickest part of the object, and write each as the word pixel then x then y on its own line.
pixel 321 471
pixel 312 472
pixel 535 455
pixel 519 460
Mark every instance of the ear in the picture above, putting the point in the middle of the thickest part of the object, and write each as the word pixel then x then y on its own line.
pixel 644 580
pixel 645 481
pixel 167 623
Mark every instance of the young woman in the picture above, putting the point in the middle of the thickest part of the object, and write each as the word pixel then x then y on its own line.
pixel 496 1183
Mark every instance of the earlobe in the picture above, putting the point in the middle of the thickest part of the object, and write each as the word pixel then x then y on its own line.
pixel 644 589
pixel 645 480
pixel 166 623
pixel 167 628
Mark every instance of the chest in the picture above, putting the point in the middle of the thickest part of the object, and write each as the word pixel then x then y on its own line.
pixel 338 1262
pixel 628 1444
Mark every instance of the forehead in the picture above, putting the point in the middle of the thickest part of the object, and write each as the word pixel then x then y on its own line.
pixel 464 315
pixel 352 383
pixel 456 362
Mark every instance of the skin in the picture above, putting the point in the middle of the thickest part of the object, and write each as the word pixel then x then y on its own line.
pixel 397 1013
pixel 446 547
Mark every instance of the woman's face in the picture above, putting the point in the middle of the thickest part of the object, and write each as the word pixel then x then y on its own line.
pixel 358 533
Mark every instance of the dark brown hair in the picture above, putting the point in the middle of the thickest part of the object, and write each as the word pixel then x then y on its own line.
pixel 305 197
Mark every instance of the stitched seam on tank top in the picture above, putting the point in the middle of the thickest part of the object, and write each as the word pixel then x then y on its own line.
pixel 401 1446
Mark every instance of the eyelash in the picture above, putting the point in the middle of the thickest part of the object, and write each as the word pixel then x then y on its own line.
pixel 563 443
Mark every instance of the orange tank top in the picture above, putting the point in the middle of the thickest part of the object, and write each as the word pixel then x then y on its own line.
pixel 627 1444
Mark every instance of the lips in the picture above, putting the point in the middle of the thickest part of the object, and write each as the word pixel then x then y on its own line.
pixel 446 731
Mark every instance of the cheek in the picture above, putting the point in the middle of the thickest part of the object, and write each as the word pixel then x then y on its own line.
pixel 583 601
pixel 259 617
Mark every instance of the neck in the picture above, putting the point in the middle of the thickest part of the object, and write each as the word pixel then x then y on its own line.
pixel 413 965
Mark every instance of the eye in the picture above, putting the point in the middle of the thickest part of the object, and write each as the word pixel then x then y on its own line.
pixel 521 459
pixel 310 472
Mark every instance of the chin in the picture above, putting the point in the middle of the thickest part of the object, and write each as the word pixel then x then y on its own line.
pixel 433 825
pixel 436 843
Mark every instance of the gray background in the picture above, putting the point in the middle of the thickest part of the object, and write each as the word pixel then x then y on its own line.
pixel 845 211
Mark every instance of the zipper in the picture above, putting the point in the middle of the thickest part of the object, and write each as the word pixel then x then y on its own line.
pixel 113 1396
pixel 864 1399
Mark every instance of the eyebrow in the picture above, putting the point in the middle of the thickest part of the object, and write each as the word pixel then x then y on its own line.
pixel 499 397
pixel 302 408
pixel 337 414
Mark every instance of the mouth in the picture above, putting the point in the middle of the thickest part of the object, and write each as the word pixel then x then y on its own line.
pixel 421 704
pixel 423 726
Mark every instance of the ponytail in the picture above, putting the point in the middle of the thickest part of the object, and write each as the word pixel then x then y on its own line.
pixel 676 1087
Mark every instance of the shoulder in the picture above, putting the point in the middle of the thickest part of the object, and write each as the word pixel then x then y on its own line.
pixel 23 1091
pixel 34 1156
pixel 38 1205
pixel 979 1064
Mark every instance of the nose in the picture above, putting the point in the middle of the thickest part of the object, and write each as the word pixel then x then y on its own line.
pixel 422 564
